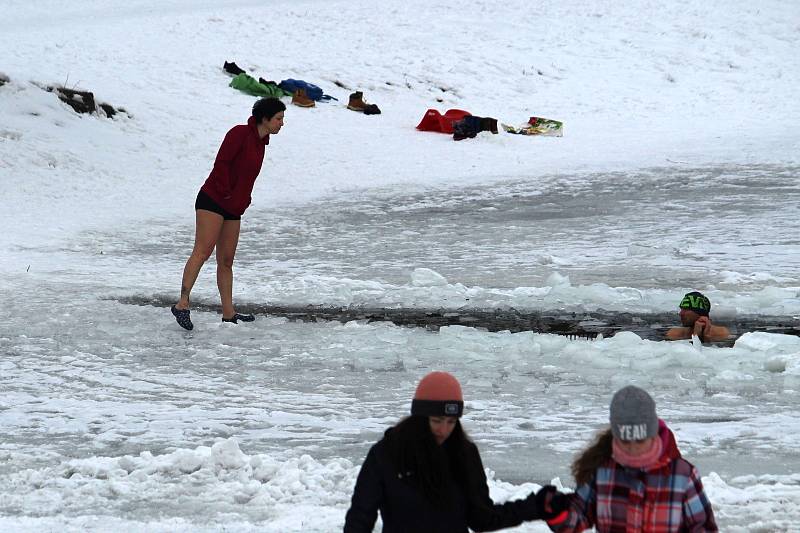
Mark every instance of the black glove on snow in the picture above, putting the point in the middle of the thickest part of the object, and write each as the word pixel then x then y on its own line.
pixel 550 502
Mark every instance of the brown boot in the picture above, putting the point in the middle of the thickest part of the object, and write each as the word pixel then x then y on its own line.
pixel 357 102
pixel 299 98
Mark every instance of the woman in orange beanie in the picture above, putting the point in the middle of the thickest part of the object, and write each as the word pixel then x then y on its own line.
pixel 426 475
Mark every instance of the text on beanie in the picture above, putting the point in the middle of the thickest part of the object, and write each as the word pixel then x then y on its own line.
pixel 633 414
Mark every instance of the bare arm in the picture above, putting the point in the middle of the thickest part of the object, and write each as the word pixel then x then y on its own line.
pixel 677 334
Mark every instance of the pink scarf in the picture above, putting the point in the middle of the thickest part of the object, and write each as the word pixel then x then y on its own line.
pixel 644 461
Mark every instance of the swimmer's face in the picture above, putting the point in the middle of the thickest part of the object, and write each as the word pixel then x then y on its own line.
pixel 688 317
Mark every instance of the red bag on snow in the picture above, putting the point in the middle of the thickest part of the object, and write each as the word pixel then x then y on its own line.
pixel 435 121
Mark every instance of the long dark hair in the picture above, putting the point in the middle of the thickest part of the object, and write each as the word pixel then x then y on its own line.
pixel 421 462
pixel 587 463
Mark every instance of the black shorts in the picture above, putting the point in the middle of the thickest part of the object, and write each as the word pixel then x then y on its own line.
pixel 205 202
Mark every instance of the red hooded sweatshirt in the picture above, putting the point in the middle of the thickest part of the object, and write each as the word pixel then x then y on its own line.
pixel 236 168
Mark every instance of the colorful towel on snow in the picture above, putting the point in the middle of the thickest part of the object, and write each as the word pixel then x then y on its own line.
pixel 537 126
pixel 248 84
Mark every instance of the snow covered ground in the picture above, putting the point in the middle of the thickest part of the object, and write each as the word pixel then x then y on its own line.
pixel 678 170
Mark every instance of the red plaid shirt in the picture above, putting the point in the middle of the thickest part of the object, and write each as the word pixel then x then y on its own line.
pixel 666 498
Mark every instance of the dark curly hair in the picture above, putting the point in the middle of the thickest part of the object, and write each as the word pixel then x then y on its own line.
pixel 267 108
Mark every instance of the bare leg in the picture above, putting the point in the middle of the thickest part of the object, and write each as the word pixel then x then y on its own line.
pixel 207 232
pixel 226 250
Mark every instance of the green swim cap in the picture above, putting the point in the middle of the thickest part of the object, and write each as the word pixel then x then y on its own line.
pixel 695 301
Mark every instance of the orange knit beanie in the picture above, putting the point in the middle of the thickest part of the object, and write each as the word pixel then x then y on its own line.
pixel 438 394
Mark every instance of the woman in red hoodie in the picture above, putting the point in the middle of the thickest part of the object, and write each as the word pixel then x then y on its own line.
pixel 222 200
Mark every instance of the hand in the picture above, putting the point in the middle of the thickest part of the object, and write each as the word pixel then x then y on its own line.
pixel 701 326
pixel 550 502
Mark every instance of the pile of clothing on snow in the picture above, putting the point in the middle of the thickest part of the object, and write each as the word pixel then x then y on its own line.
pixel 303 93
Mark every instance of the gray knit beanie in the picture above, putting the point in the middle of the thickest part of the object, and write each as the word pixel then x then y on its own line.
pixel 633 414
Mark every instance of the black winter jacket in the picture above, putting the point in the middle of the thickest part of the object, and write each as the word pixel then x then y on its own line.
pixel 404 508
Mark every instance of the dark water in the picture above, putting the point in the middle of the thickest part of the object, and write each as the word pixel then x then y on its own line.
pixel 730 227
pixel 659 228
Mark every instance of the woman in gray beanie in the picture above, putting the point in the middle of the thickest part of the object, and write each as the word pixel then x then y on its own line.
pixel 633 477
